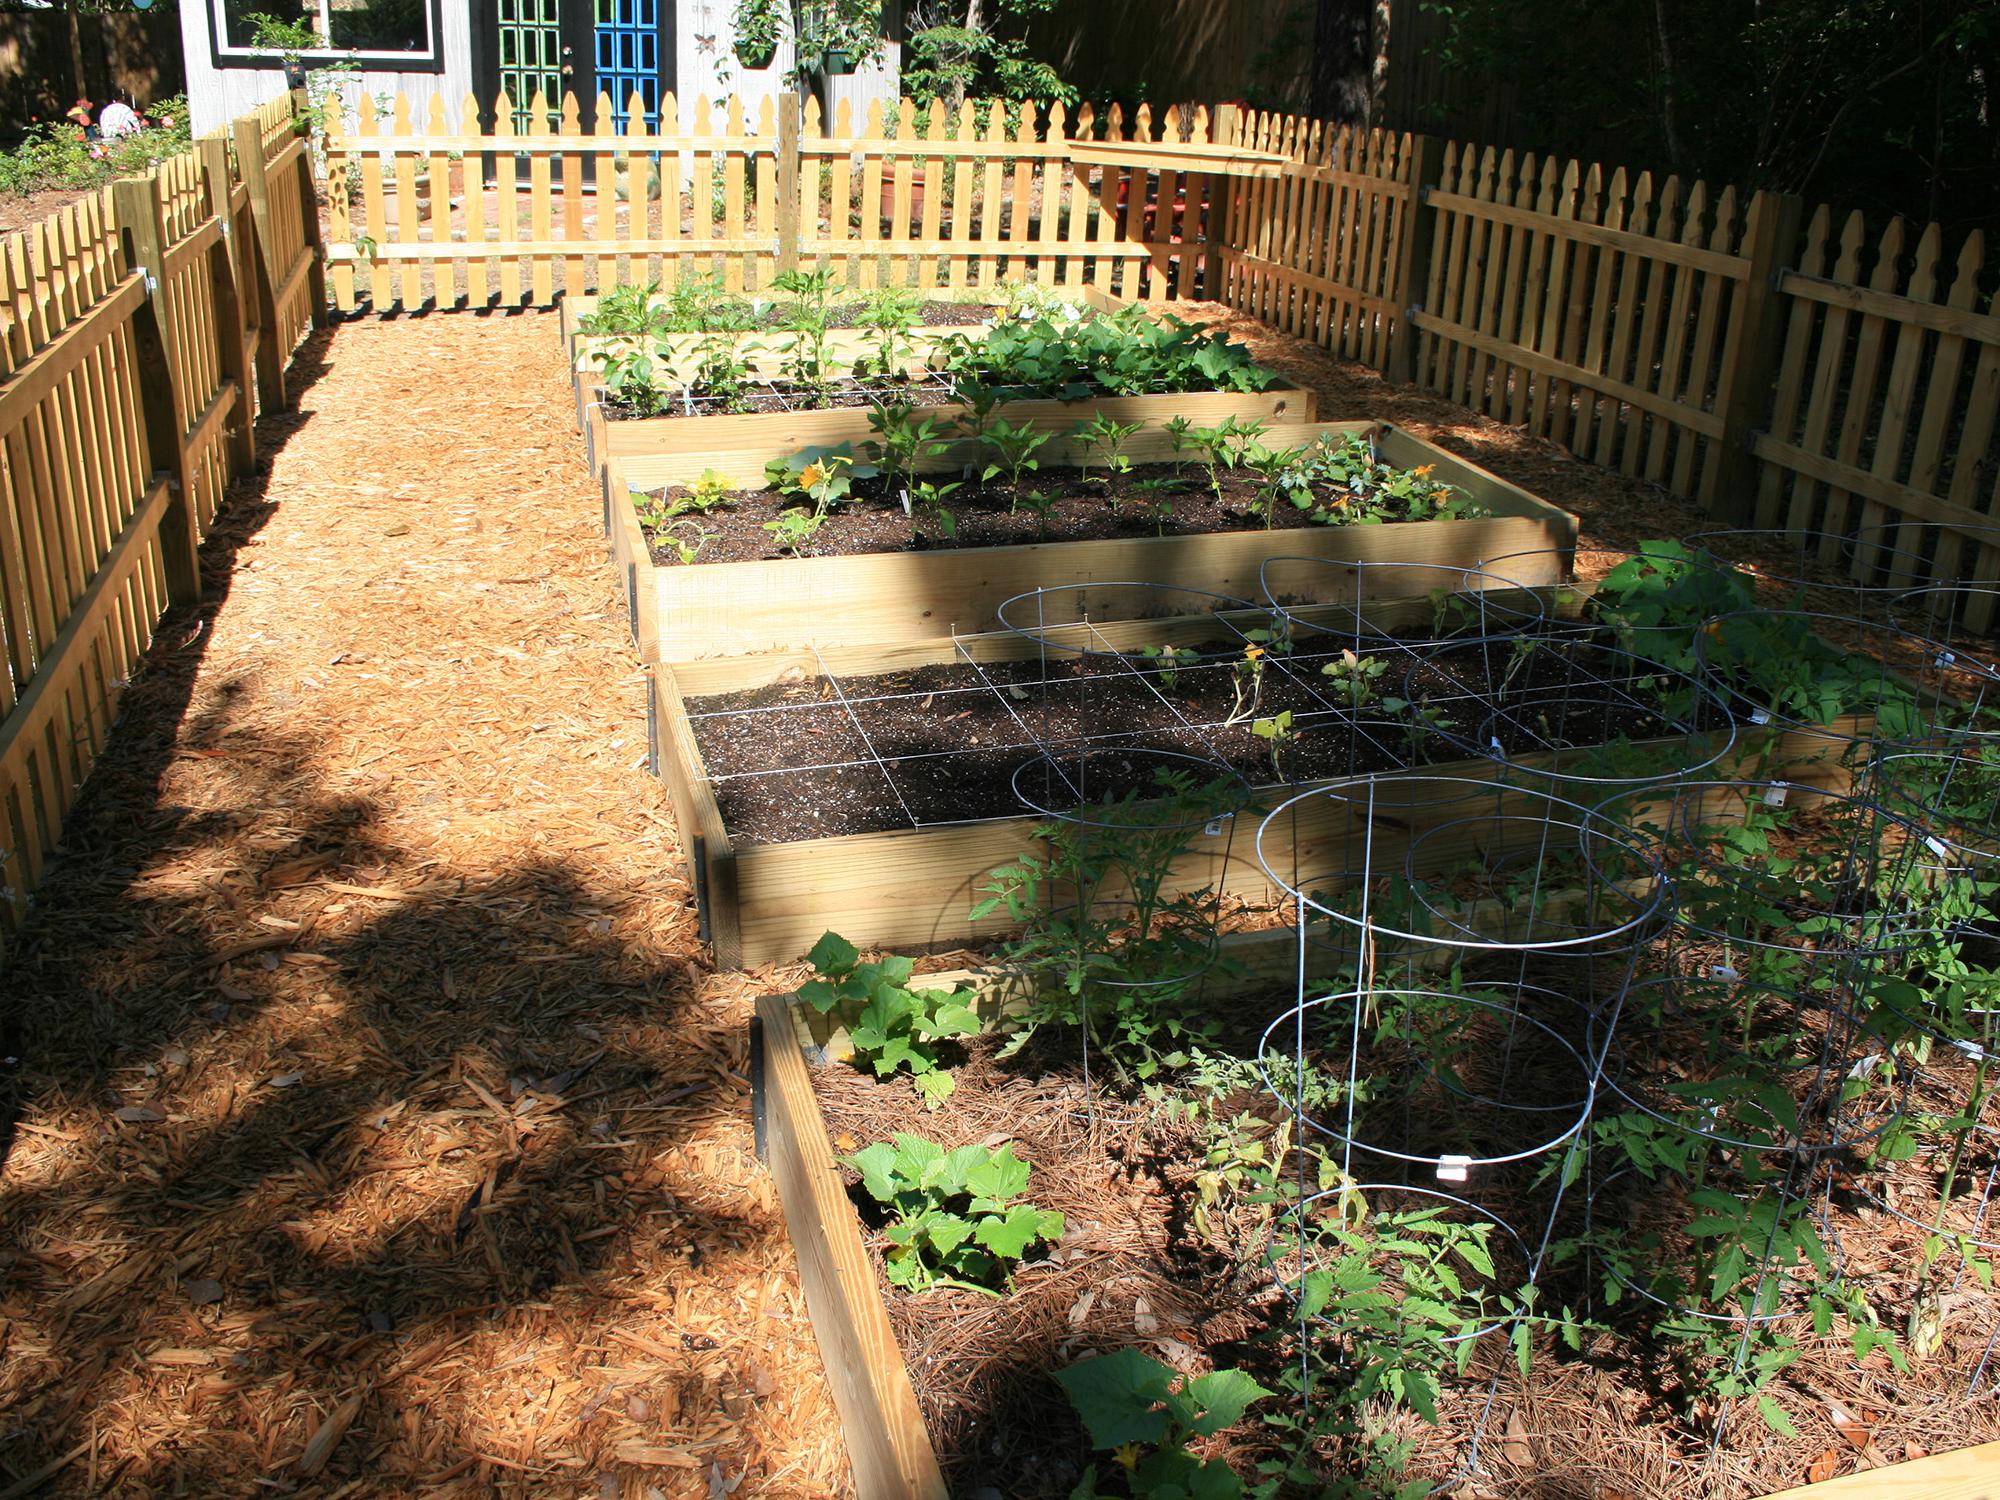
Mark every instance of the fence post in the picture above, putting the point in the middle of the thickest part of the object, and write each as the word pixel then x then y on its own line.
pixel 790 211
pixel 1422 168
pixel 308 204
pixel 233 345
pixel 135 205
pixel 264 280
pixel 1751 348
pixel 1225 129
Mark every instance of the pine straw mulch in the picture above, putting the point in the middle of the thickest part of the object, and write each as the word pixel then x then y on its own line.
pixel 374 1129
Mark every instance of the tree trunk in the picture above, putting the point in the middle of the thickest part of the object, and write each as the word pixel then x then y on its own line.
pixel 975 24
pixel 1343 60
pixel 1668 120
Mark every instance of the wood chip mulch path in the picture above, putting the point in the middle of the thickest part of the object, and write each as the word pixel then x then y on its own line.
pixel 370 1125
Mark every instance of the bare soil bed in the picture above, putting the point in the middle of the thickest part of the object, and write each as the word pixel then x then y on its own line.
pixel 988 515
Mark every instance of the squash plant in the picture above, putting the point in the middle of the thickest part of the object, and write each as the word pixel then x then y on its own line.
pixel 956 1218
pixel 895 1027
pixel 1144 1414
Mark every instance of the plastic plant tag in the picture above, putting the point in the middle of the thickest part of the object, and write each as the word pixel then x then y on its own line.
pixel 1214 828
pixel 1947 659
pixel 1725 972
pixel 1864 1067
pixel 1774 794
pixel 1760 716
pixel 1453 1168
pixel 1971 1049
pixel 1498 748
pixel 906 503
pixel 1937 846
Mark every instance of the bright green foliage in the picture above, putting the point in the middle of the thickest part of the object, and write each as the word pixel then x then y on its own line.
pixel 1126 353
pixel 809 319
pixel 955 1216
pixel 1353 677
pixel 641 310
pixel 889 314
pixel 895 1027
pixel 629 381
pixel 904 441
pixel 722 371
pixel 1338 481
pixel 1108 437
pixel 1171 659
pixel 822 476
pixel 1144 1414
pixel 1275 730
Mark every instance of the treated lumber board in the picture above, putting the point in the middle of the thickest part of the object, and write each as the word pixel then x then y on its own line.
pixel 1913 503
pixel 52 363
pixel 1968 1474
pixel 1959 322
pixel 681 614
pixel 724 609
pixel 886 1439
pixel 65 660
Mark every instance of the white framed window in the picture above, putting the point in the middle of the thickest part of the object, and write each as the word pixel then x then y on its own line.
pixel 380 35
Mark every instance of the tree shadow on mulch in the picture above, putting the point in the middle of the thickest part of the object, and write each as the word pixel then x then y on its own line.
pixel 280 1210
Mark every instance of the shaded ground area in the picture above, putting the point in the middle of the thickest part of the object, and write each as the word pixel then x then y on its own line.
pixel 373 1131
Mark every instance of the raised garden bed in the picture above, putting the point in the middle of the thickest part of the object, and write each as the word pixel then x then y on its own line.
pixel 870 789
pixel 851 344
pixel 1156 1255
pixel 671 450
pixel 682 612
pixel 933 311
pixel 1082 366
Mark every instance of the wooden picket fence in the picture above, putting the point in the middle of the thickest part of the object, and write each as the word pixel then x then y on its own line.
pixel 451 215
pixel 138 331
pixel 1723 345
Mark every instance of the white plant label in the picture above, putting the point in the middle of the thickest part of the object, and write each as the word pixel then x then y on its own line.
pixel 1775 793
pixel 1453 1168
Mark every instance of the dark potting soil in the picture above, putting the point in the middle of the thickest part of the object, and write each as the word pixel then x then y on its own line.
pixel 816 758
pixel 1104 507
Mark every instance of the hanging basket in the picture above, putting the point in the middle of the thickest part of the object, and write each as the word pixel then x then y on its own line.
pixel 836 62
pixel 756 56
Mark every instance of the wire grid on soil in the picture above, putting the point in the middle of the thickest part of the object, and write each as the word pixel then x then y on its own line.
pixel 949 743
pixel 376 1128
